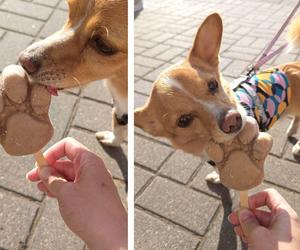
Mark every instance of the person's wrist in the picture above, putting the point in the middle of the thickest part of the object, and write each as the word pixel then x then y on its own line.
pixel 109 238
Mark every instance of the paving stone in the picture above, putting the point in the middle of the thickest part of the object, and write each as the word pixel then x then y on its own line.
pixel 171 53
pixel 141 177
pixel 63 5
pixel 199 182
pixel 152 76
pixel 156 50
pixel 221 227
pixel 26 9
pixel 278 132
pixel 54 24
pixel 283 173
pixel 180 166
pixel 2 32
pixel 16 217
pixel 246 41
pixel 152 233
pixel 150 154
pixel 51 3
pixel 93 115
pixel 143 43
pixel 13 171
pixel 147 61
pixel 115 158
pixel 141 70
pixel 139 100
pixel 98 90
pixel 122 190
pixel 51 231
pixel 143 86
pixel 10 45
pixel 182 205
pixel 20 24
pixel 60 113
pixel 236 68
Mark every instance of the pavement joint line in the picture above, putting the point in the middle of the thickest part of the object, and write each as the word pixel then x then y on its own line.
pixel 54 8
pixel 141 93
pixel 23 15
pixel 143 188
pixel 168 221
pixel 155 174
pixel 35 222
pixel 21 195
pixel 96 100
pixel 283 187
pixel 72 117
pixel 28 237
pixel 196 171
pixel 153 140
pixel 18 32
pixel 290 160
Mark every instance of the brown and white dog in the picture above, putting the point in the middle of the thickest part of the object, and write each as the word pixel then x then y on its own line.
pixel 92 45
pixel 191 103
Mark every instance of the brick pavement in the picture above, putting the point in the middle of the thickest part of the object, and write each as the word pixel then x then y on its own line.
pixel 29 220
pixel 175 208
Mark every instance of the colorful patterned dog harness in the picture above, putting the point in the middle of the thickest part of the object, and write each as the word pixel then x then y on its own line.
pixel 265 96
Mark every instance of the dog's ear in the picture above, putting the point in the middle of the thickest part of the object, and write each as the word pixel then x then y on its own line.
pixel 207 42
pixel 145 118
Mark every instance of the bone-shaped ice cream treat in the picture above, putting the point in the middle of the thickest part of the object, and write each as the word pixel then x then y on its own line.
pixel 25 126
pixel 241 161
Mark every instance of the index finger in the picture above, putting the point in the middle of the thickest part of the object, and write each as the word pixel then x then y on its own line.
pixel 68 147
pixel 270 198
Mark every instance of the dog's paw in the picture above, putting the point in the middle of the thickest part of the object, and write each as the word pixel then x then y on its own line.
pixel 296 149
pixel 240 163
pixel 213 177
pixel 25 126
pixel 108 138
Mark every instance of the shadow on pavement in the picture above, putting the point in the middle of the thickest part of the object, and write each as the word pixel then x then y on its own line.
pixel 227 237
pixel 118 154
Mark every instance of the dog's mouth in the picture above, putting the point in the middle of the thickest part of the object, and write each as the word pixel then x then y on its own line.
pixel 53 90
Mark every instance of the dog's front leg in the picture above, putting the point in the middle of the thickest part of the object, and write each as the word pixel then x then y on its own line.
pixel 292 129
pixel 119 119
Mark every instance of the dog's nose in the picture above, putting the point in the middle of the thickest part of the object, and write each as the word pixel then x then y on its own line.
pixel 30 64
pixel 231 122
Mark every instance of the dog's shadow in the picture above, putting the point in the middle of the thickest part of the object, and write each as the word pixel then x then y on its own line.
pixel 117 153
pixel 227 237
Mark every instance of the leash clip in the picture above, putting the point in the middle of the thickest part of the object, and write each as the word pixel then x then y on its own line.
pixel 251 70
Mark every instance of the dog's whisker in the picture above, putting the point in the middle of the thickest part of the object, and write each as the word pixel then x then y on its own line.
pixel 77 81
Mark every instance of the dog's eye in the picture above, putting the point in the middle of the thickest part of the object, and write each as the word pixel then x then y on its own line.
pixel 185 120
pixel 213 86
pixel 101 47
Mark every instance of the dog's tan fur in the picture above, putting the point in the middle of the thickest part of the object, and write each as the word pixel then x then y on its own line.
pixel 183 90
pixel 71 57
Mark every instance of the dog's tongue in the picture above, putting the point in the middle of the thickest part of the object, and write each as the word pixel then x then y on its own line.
pixel 52 90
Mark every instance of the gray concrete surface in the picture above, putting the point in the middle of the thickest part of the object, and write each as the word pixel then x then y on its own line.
pixel 175 208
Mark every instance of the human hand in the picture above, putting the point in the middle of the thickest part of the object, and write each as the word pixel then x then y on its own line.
pixel 87 197
pixel 278 228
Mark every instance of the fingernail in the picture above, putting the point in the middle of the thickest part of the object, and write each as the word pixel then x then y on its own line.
pixel 245 214
pixel 229 218
pixel 44 173
pixel 26 176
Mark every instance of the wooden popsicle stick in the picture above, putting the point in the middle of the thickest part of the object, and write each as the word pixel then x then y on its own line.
pixel 40 159
pixel 244 199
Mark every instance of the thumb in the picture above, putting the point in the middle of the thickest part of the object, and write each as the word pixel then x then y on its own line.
pixel 248 222
pixel 53 183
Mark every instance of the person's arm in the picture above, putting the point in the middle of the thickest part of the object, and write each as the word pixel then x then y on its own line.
pixel 88 199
